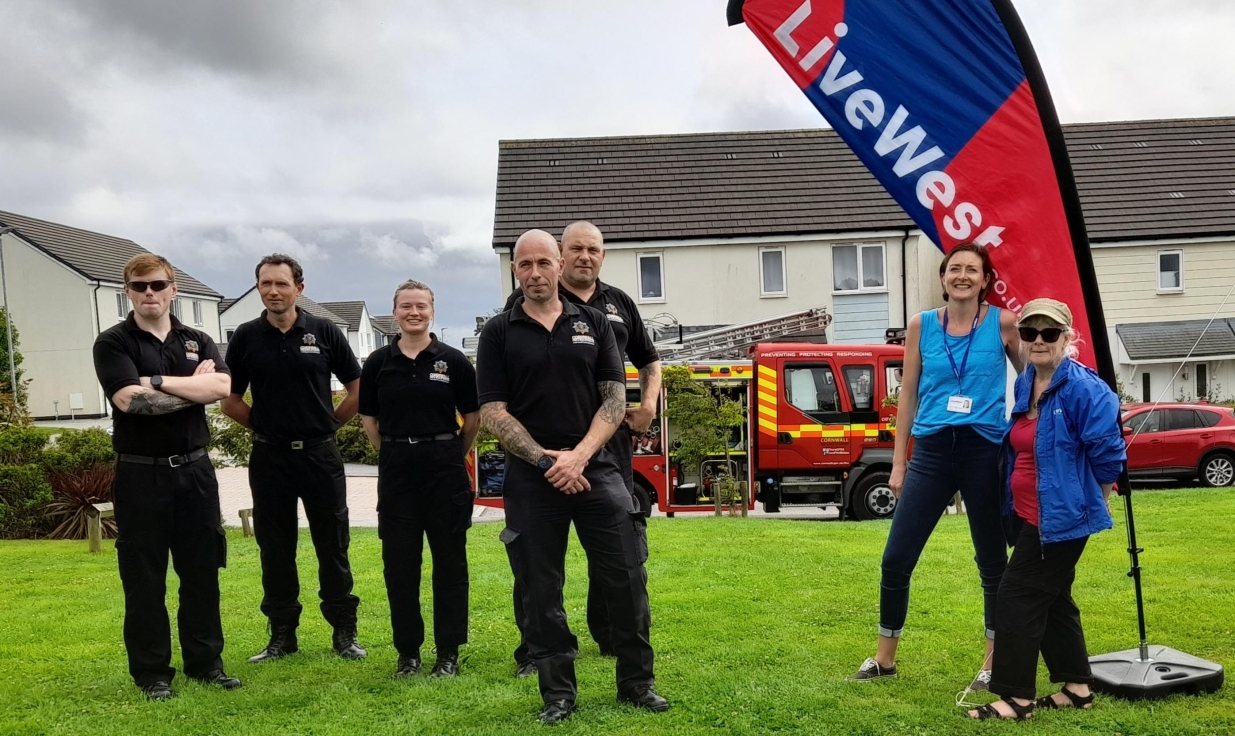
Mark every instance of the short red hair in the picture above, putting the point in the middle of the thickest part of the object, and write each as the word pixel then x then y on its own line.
pixel 145 263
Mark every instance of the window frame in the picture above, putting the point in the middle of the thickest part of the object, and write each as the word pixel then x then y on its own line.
pixel 198 313
pixel 122 305
pixel 784 274
pixel 1158 271
pixel 862 289
pixel 176 309
pixel 787 387
pixel 660 259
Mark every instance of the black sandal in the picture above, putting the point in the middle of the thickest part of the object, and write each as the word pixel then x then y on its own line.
pixel 1079 702
pixel 1020 712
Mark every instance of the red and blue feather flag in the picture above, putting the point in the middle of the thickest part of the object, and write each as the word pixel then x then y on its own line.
pixel 944 102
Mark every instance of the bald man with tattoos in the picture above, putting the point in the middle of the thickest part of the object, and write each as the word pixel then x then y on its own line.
pixel 552 389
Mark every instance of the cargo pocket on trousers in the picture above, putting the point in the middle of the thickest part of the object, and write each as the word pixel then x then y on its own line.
pixel 514 551
pixel 221 546
pixel 639 522
pixel 343 529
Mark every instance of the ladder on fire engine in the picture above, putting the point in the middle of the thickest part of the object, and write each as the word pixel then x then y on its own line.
pixel 731 342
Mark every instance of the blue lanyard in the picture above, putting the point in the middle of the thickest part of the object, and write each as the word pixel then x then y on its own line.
pixel 960 373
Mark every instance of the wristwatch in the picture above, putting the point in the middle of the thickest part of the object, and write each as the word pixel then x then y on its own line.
pixel 156 382
pixel 544 463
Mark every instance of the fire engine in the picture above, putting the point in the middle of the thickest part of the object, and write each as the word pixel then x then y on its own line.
pixel 819 426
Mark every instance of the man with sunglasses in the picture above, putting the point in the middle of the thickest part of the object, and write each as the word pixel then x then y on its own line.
pixel 158 374
pixel 287 357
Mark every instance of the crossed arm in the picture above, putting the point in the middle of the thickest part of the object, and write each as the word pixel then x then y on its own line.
pixel 205 386
pixel 567 472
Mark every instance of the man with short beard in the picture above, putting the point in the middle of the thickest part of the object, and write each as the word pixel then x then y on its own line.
pixel 158 374
pixel 553 390
pixel 287 357
pixel 583 254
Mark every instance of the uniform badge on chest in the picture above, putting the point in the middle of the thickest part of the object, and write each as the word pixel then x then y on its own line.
pixel 581 336
pixel 439 373
pixel 309 344
pixel 611 311
pixel 191 350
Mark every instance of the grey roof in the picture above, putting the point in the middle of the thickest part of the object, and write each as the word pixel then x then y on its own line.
pixel 349 311
pixel 226 304
pixel 1158 340
pixel 384 324
pixel 94 255
pixel 1147 179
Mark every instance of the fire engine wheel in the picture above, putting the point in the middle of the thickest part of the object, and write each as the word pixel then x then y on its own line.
pixel 873 498
pixel 1217 470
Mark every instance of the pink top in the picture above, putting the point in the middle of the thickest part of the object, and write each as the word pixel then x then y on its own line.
pixel 1025 471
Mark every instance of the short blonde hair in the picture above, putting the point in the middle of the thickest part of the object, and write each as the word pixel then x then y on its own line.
pixel 409 285
pixel 145 263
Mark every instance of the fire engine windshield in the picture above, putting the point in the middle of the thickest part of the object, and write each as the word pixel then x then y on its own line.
pixel 811 388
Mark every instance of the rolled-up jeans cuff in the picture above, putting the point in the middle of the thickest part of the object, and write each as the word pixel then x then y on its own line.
pixel 894 634
pixel 990 634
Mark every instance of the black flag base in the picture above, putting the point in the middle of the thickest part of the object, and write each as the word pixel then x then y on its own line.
pixel 1153 672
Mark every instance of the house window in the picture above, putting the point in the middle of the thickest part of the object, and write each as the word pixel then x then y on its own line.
pixel 122 305
pixel 176 309
pixel 227 335
pixel 858 268
pixel 1202 380
pixel 1170 270
pixel 197 313
pixel 651 277
pixel 772 272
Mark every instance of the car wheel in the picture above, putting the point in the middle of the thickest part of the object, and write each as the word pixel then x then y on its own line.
pixel 873 498
pixel 1217 470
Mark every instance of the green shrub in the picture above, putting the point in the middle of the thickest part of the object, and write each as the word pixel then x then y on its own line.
pixel 230 442
pixel 79 450
pixel 354 444
pixel 24 495
pixel 21 445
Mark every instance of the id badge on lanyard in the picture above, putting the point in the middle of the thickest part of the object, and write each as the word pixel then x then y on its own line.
pixel 959 403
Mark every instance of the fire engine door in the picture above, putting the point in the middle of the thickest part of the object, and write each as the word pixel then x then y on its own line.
pixel 812 426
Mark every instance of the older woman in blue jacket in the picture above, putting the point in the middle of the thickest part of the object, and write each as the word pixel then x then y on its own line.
pixel 1064 452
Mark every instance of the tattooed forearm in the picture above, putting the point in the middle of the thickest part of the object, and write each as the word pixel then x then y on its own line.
pixel 513 435
pixel 613 402
pixel 649 383
pixel 151 402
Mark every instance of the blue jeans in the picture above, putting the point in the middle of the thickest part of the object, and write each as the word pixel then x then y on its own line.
pixel 951 460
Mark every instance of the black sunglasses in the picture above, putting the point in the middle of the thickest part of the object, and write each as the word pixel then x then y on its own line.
pixel 1049 334
pixel 141 286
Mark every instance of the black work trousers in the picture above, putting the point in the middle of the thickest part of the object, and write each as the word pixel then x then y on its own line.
pixel 278 477
pixel 538 518
pixel 1036 613
pixel 423 490
pixel 162 510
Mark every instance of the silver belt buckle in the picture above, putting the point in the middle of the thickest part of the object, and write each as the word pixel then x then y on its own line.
pixel 298 445
pixel 171 461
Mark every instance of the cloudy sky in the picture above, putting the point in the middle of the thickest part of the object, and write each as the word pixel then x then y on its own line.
pixel 362 136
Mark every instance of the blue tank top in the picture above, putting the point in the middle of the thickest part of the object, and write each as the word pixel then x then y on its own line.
pixel 984 379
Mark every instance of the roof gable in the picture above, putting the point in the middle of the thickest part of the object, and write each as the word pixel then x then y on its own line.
pixel 94 255
pixel 351 312
pixel 1137 180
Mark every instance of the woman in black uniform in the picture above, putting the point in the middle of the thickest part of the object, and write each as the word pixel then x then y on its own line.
pixel 411 394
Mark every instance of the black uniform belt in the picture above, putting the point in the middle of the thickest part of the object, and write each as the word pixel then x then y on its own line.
pixel 294 444
pixel 174 461
pixel 443 437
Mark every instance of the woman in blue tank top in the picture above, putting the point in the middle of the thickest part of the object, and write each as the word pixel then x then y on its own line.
pixel 952 404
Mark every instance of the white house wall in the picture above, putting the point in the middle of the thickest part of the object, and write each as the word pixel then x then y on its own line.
pixel 53 312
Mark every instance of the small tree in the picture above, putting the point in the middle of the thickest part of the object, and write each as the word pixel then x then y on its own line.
pixel 13 407
pixel 704 419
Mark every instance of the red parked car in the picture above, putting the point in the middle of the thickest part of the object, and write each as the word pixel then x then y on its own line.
pixel 1181 441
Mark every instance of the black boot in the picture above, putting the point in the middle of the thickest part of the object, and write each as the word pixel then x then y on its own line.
pixel 447 664
pixel 345 644
pixel 282 643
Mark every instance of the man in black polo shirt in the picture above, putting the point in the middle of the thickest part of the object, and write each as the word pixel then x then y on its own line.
pixel 158 374
pixel 288 356
pixel 553 390
pixel 583 254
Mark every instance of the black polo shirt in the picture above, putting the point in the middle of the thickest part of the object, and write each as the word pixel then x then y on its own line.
pixel 123 354
pixel 290 374
pixel 617 306
pixel 548 379
pixel 417 398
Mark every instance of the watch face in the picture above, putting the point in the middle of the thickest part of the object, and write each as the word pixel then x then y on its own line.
pixel 545 462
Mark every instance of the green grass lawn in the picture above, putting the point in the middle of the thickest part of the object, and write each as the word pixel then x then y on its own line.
pixel 756 625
